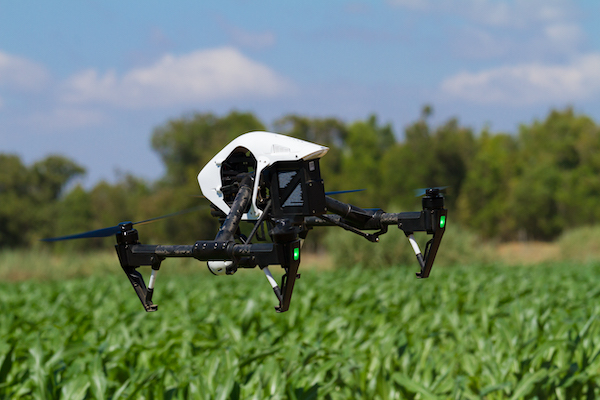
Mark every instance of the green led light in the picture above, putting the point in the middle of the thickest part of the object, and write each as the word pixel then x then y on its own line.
pixel 442 221
pixel 296 254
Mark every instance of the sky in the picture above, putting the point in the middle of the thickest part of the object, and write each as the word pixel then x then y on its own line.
pixel 91 80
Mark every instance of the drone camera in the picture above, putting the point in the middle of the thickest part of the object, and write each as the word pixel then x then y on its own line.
pixel 297 188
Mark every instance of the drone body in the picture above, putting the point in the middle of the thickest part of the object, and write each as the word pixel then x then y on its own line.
pixel 252 151
pixel 273 182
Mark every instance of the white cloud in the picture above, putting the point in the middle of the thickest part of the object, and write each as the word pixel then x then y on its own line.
pixel 18 73
pixel 565 35
pixel 64 118
pixel 477 43
pixel 255 40
pixel 200 76
pixel 529 83
pixel 488 29
pixel 498 13
pixel 412 4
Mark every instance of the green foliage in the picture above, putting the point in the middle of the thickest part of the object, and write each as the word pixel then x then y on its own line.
pixel 427 158
pixel 361 159
pixel 459 247
pixel 535 185
pixel 581 244
pixel 28 194
pixel 326 131
pixel 484 332
pixel 14 200
pixel 50 175
pixel 549 158
pixel 483 204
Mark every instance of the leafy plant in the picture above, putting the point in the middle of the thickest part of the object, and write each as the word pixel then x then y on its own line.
pixel 466 332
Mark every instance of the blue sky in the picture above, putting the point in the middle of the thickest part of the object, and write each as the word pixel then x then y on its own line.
pixel 92 79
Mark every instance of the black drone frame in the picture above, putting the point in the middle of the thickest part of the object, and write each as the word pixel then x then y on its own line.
pixel 286 229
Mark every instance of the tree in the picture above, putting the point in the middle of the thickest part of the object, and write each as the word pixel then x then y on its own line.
pixel 537 184
pixel 365 146
pixel 428 158
pixel 325 131
pixel 51 175
pixel 558 167
pixel 16 207
pixel 483 204
pixel 28 195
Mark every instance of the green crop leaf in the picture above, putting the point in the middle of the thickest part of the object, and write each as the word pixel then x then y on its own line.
pixel 6 366
pixel 494 388
pixel 413 387
pixel 528 383
pixel 77 388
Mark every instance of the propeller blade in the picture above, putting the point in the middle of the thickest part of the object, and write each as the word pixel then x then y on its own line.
pixel 344 191
pixel 113 230
pixel 423 191
pixel 188 210
pixel 97 233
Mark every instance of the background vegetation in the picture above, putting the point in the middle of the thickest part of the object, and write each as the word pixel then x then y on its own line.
pixel 533 185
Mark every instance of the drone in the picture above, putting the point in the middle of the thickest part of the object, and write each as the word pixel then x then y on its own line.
pixel 272 182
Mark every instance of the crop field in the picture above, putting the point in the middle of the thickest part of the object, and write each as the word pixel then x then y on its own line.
pixel 472 333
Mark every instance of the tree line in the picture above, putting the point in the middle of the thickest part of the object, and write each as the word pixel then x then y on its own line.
pixel 533 185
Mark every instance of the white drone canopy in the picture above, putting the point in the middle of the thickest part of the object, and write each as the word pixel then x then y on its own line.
pixel 265 149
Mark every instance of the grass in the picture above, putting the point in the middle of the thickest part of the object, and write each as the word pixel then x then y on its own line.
pixel 466 332
pixel 19 265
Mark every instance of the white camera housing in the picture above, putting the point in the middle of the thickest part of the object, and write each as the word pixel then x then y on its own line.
pixel 267 148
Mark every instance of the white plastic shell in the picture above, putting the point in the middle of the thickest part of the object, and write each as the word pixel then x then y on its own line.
pixel 219 267
pixel 267 148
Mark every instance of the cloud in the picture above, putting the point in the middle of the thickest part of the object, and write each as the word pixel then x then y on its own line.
pixel 20 74
pixel 495 29
pixel 200 76
pixel 531 83
pixel 247 39
pixel 564 35
pixel 63 118
pixel 493 12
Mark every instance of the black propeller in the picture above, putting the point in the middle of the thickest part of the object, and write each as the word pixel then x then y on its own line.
pixel 113 230
pixel 423 191
pixel 344 191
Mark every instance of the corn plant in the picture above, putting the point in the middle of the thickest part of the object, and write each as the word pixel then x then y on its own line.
pixel 472 333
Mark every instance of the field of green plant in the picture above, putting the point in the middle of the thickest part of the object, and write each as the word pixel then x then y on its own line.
pixel 466 332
